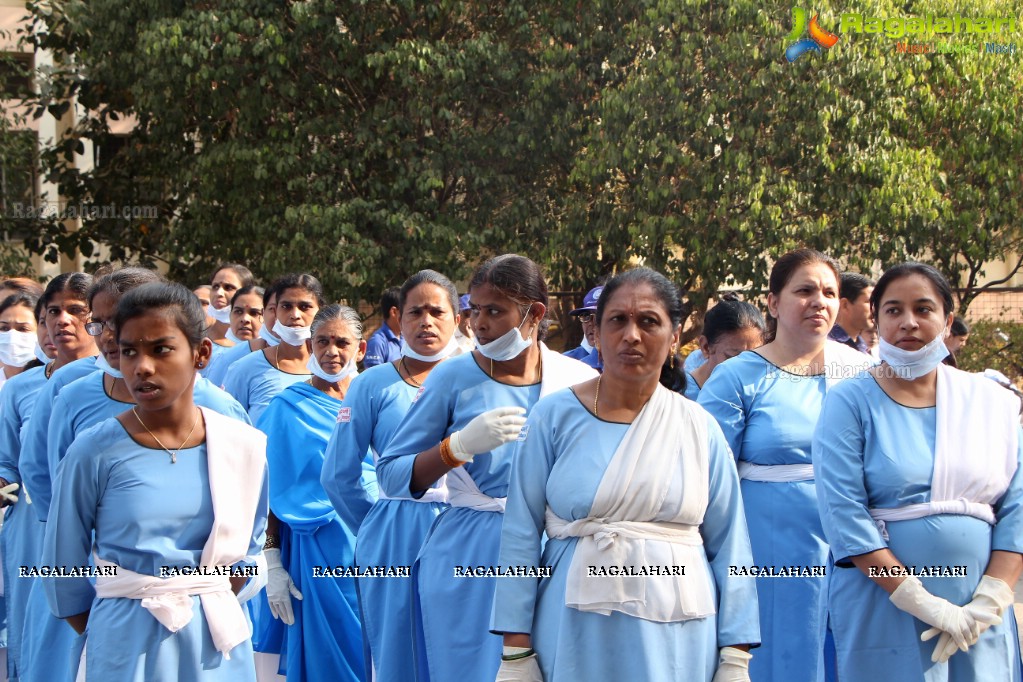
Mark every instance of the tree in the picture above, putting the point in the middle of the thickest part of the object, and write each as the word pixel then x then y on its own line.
pixel 17 161
pixel 373 139
pixel 363 141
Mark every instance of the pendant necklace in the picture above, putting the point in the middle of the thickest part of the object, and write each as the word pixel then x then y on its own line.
pixel 173 454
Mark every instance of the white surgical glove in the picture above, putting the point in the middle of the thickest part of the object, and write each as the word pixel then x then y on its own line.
pixel 487 431
pixel 914 599
pixel 733 665
pixel 7 493
pixel 990 600
pixel 521 669
pixel 280 588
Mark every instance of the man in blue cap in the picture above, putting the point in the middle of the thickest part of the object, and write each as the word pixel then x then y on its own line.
pixel 587 351
pixel 463 333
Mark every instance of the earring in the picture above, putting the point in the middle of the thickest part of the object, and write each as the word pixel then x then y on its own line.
pixel 671 362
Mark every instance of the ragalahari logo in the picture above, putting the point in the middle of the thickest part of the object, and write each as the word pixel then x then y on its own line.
pixel 818 36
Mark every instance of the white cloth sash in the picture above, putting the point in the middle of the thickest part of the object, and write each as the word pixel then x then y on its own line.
pixel 842 362
pixel 775 473
pixel 169 600
pixel 975 450
pixel 463 492
pixel 561 372
pixel 236 461
pixel 437 493
pixel 664 451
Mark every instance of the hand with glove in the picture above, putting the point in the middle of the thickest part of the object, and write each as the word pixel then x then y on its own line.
pixel 963 627
pixel 733 665
pixel 487 431
pixel 990 600
pixel 280 588
pixel 523 666
pixel 7 491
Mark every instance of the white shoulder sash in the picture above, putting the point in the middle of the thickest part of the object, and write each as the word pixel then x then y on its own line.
pixel 975 449
pixel 634 539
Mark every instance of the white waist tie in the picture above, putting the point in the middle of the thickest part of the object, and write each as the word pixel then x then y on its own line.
pixel 438 493
pixel 661 596
pixel 169 600
pixel 463 492
pixel 978 510
pixel 775 473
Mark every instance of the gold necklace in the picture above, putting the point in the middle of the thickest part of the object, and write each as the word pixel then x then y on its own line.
pixel 174 454
pixel 416 383
pixel 277 353
pixel 597 395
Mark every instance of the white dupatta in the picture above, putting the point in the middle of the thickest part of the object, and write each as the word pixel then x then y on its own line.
pixel 236 460
pixel 646 513
pixel 975 444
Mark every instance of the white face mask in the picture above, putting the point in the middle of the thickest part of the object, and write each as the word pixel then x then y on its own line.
pixel 586 345
pixel 101 363
pixel 348 370
pixel 40 355
pixel 265 334
pixel 913 364
pixel 18 348
pixel 293 336
pixel 232 338
pixel 222 315
pixel 444 352
pixel 509 345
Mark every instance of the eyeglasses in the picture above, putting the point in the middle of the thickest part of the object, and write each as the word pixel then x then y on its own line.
pixel 586 318
pixel 96 328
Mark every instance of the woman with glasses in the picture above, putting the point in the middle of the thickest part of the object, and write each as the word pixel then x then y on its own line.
pixel 105 393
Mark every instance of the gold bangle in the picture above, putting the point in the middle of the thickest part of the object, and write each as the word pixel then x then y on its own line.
pixel 272 542
pixel 447 456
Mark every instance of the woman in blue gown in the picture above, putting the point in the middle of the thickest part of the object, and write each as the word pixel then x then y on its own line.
pixel 227 280
pixel 468 412
pixel 247 307
pixel 324 638
pixel 390 531
pixel 886 452
pixel 254 381
pixel 580 451
pixel 15 408
pixel 767 402
pixel 49 650
pixel 104 394
pixel 173 500
pixel 729 328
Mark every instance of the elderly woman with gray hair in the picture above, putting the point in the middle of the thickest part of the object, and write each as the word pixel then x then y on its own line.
pixel 324 638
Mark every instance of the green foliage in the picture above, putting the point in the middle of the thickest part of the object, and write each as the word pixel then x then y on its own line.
pixel 366 140
pixel 998 345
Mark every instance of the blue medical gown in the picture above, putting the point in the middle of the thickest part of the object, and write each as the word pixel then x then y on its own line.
pixel 143 513
pixel 561 464
pixel 389 531
pixel 451 614
pixel 325 642
pixel 871 452
pixel 768 417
